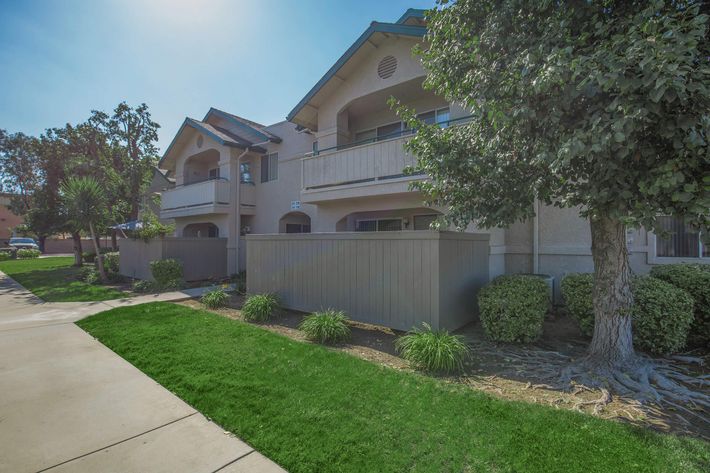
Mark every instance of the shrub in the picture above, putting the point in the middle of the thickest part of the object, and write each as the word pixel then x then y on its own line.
pixel 27 253
pixel 577 296
pixel 166 271
pixel 89 275
pixel 4 256
pixel 329 326
pixel 695 279
pixel 513 308
pixel 111 261
pixel 433 350
pixel 260 307
pixel 89 257
pixel 662 315
pixel 144 286
pixel 240 282
pixel 215 298
pixel 171 285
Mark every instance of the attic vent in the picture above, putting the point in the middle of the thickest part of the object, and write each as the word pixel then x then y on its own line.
pixel 386 67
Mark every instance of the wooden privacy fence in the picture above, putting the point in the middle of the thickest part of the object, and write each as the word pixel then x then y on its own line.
pixel 395 279
pixel 202 258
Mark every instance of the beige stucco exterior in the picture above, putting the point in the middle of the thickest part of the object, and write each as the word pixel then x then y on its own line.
pixel 330 189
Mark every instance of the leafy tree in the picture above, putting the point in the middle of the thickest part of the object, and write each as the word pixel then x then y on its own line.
pixel 19 172
pixel 599 105
pixel 85 202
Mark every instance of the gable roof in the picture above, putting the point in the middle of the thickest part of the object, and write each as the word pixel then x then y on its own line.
pixel 247 125
pixel 412 16
pixel 220 135
pixel 399 28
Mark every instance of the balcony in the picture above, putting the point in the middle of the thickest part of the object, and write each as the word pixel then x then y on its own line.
pixel 357 170
pixel 200 198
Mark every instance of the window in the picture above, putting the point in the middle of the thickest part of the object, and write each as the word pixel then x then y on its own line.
pixel 298 228
pixel 379 225
pixel 423 222
pixel 270 167
pixel 440 116
pixel 213 173
pixel 681 240
pixel 383 132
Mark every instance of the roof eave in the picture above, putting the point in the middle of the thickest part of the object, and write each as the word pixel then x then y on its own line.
pixel 267 137
pixel 375 27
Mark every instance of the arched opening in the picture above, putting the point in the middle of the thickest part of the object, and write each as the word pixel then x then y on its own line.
pixel 388 220
pixel 201 167
pixel 201 230
pixel 295 222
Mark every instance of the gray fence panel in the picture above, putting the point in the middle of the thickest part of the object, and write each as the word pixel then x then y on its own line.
pixel 202 258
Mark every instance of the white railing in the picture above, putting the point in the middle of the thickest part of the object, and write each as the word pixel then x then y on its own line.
pixel 212 192
pixel 367 162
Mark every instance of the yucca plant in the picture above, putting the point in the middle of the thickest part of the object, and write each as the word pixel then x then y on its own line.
pixel 329 326
pixel 215 298
pixel 433 350
pixel 260 307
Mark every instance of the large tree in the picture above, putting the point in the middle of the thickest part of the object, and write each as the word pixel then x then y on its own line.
pixel 602 106
pixel 19 172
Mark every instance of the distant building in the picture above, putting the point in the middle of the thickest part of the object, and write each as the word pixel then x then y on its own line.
pixel 8 220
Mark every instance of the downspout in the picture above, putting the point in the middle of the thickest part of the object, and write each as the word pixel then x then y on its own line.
pixel 536 238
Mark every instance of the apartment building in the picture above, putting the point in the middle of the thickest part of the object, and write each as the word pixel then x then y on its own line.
pixel 336 165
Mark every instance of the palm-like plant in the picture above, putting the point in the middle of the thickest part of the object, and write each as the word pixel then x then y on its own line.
pixel 85 203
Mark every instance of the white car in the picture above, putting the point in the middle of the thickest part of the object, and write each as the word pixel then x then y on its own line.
pixel 23 243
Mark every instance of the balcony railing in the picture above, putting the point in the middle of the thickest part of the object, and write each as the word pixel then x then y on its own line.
pixel 190 197
pixel 376 159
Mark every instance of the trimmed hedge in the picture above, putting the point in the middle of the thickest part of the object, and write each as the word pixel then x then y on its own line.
pixel 28 253
pixel 166 272
pixel 577 296
pixel 513 308
pixel 694 279
pixel 661 315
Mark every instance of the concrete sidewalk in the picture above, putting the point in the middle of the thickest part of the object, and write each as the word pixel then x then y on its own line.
pixel 68 403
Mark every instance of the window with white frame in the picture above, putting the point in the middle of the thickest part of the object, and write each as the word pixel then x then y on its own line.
pixel 679 240
pixel 379 225
pixel 269 167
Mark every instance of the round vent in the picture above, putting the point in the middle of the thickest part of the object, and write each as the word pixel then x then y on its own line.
pixel 386 67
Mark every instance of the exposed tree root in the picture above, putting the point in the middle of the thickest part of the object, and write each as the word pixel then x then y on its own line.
pixel 658 387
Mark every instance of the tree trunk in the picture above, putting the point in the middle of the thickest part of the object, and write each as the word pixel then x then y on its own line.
pixel 114 241
pixel 611 345
pixel 78 260
pixel 99 256
pixel 41 241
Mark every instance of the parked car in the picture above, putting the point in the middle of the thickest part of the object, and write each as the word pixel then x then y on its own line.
pixel 23 243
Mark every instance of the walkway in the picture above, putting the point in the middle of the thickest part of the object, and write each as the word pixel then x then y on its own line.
pixel 69 404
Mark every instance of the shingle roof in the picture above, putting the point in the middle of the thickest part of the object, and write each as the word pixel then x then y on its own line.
pixel 257 128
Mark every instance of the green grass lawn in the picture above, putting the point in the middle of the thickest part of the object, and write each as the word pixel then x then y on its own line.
pixel 55 280
pixel 312 409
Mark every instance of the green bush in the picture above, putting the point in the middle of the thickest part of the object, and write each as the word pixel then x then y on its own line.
pixel 144 286
pixel 577 296
pixel 4 256
pixel 111 261
pixel 260 307
pixel 329 326
pixel 89 257
pixel 28 253
pixel 433 350
pixel 171 285
pixel 89 275
pixel 166 271
pixel 694 279
pixel 661 315
pixel 215 298
pixel 513 308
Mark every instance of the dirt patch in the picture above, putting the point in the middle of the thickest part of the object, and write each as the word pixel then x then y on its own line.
pixel 502 370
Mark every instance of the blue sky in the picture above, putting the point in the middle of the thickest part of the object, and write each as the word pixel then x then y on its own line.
pixel 61 59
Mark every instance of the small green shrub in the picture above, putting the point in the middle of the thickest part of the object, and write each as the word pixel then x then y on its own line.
pixel 4 256
pixel 215 298
pixel 433 350
pixel 694 279
pixel 89 257
pixel 89 275
pixel 111 261
pixel 513 308
pixel 260 307
pixel 577 296
pixel 172 285
pixel 28 253
pixel 166 271
pixel 144 286
pixel 329 326
pixel 662 315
